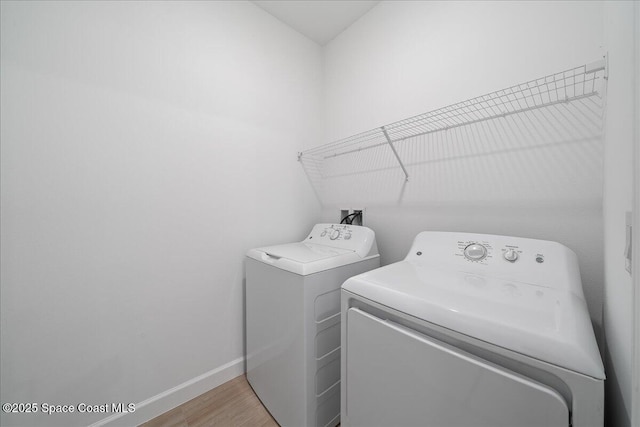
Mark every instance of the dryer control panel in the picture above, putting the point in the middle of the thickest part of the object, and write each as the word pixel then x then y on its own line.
pixel 361 240
pixel 481 250
pixel 533 261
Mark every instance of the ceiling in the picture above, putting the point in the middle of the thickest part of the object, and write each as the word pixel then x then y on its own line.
pixel 319 20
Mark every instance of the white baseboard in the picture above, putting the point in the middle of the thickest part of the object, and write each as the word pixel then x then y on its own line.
pixel 169 399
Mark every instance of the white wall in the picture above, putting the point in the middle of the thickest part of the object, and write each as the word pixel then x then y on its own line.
pixel 518 176
pixel 405 58
pixel 618 199
pixel 145 147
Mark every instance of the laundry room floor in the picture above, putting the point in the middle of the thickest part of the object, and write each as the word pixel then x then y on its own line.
pixel 233 404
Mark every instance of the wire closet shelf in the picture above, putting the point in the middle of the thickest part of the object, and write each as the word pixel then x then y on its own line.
pixel 563 87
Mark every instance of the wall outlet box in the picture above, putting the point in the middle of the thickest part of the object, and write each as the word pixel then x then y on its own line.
pixel 354 216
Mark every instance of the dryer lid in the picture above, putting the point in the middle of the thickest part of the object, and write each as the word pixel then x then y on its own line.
pixel 548 324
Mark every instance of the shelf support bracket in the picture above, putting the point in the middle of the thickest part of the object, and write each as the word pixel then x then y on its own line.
pixel 602 64
pixel 386 135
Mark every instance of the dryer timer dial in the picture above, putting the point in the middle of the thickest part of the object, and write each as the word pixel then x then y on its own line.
pixel 475 252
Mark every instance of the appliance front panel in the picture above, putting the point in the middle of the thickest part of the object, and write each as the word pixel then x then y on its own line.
pixel 397 376
pixel 275 341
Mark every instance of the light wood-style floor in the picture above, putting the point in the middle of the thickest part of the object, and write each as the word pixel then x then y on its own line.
pixel 233 404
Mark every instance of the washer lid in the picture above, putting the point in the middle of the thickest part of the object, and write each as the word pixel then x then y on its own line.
pixel 328 246
pixel 548 324
pixel 304 252
pixel 305 258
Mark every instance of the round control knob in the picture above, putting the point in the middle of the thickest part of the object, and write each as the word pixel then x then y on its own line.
pixel 475 252
pixel 347 236
pixel 334 234
pixel 511 255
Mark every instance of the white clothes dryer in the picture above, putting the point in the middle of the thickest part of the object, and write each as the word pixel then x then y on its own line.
pixel 293 320
pixel 471 330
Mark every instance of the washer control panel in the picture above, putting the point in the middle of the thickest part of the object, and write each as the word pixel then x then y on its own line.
pixel 346 236
pixel 337 231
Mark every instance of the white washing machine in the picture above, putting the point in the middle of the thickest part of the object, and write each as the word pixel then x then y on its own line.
pixel 293 321
pixel 471 330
